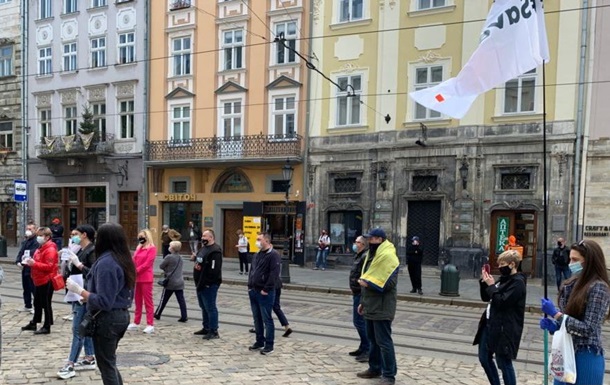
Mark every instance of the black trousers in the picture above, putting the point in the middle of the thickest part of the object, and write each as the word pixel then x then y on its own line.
pixel 165 249
pixel 415 275
pixel 111 327
pixel 28 287
pixel 243 262
pixel 165 296
pixel 43 295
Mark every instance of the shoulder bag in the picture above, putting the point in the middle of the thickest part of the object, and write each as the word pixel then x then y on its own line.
pixel 163 282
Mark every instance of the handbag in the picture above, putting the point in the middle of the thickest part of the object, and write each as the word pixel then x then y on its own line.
pixel 562 363
pixel 165 281
pixel 87 326
pixel 58 282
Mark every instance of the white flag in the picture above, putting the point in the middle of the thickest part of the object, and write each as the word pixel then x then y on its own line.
pixel 513 42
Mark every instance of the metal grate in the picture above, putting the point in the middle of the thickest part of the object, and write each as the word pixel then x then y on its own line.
pixel 424 183
pixel 346 185
pixel 519 181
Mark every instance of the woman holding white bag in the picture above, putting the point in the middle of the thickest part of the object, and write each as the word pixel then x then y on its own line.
pixel 584 301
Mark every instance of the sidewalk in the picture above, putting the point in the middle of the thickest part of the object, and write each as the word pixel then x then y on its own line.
pixel 336 281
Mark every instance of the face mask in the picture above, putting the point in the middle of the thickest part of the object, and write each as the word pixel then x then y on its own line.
pixel 575 267
pixel 28 233
pixel 142 240
pixel 205 242
pixel 258 245
pixel 40 240
pixel 505 271
pixel 354 248
pixel 76 240
pixel 373 247
pixel 559 244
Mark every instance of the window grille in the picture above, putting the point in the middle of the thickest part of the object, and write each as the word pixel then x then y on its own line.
pixel 519 181
pixel 425 183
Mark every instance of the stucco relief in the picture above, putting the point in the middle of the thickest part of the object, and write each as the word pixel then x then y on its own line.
pixel 68 97
pixel 123 148
pixel 125 90
pixel 44 35
pixel 126 19
pixel 69 30
pixel 317 10
pixel 430 57
pixel 43 100
pixel 348 68
pixel 349 47
pixel 98 24
pixel 96 94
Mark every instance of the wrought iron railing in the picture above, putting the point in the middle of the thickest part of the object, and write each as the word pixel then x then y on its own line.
pixel 74 145
pixel 232 147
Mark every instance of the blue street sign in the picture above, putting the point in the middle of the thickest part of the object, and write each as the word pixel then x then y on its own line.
pixel 21 190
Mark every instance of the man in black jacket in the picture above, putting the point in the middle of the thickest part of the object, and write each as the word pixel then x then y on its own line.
pixel 415 254
pixel 561 260
pixel 208 277
pixel 262 281
pixel 28 247
pixel 360 247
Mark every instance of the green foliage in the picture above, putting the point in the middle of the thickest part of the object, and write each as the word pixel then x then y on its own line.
pixel 87 126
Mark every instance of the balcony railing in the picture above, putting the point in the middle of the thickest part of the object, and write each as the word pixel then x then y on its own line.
pixel 220 148
pixel 70 146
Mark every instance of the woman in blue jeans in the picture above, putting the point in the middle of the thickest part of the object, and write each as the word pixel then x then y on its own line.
pixel 501 324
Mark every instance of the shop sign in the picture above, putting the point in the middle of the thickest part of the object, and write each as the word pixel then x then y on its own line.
pixel 180 197
pixel 251 229
pixel 597 231
pixel 502 233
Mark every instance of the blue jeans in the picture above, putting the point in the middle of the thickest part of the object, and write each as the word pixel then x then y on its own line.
pixel 590 368
pixel 360 326
pixel 321 258
pixel 382 358
pixel 111 327
pixel 207 303
pixel 487 362
pixel 261 306
pixel 562 271
pixel 79 311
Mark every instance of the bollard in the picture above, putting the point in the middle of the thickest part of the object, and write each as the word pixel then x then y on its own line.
pixel 450 281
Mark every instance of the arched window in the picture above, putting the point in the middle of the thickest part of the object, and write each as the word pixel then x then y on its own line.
pixel 233 181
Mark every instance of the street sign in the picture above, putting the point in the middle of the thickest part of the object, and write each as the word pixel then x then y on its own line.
pixel 502 233
pixel 21 190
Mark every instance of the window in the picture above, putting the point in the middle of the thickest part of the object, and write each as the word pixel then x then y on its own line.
pixel 6 135
pixel 127 47
pixel 427 4
pixel 181 123
pixel 515 181
pixel 126 117
pixel 6 61
pixel 69 57
pixel 99 119
pixel 70 120
pixel 179 4
pixel 98 52
pixel 520 93
pixel 45 10
pixel 4 1
pixel 44 119
pixel 279 186
pixel 424 183
pixel 231 119
pixel 283 116
pixel 350 10
pixel 70 6
pixel 45 61
pixel 98 3
pixel 181 52
pixel 232 45
pixel 348 100
pixel 346 185
pixel 345 227
pixel 289 30
pixel 426 77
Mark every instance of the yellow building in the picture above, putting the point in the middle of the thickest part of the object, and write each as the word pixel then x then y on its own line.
pixel 227 113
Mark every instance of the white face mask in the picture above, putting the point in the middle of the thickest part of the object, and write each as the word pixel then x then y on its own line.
pixel 258 245
pixel 28 233
pixel 40 240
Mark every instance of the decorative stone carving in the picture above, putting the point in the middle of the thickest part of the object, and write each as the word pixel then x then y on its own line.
pixel 123 148
pixel 349 68
pixel 392 4
pixel 98 24
pixel 381 4
pixel 513 204
pixel 43 100
pixel 126 19
pixel 69 30
pixel 68 97
pixel 125 90
pixel 44 35
pixel 426 172
pixel 96 94
pixel 430 57
pixel 562 160
pixel 317 10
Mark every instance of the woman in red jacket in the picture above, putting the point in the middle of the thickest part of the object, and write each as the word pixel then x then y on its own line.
pixel 144 259
pixel 44 267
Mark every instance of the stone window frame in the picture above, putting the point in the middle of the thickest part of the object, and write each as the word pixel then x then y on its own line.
pixel 334 175
pixel 504 169
pixel 173 181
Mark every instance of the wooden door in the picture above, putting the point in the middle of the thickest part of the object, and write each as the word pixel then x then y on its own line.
pixel 128 216
pixel 9 224
pixel 233 220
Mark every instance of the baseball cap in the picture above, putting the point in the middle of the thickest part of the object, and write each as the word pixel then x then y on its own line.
pixel 377 232
pixel 415 238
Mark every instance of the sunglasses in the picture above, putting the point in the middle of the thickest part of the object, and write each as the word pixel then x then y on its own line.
pixel 583 245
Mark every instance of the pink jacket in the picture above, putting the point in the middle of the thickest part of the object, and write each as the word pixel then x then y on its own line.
pixel 144 259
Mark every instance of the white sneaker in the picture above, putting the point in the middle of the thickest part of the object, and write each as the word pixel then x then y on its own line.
pixel 31 311
pixel 69 317
pixel 149 329
pixel 24 309
pixel 66 372
pixel 85 364
pixel 133 327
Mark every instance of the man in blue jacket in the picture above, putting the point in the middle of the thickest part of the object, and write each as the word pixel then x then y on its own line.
pixel 262 281
pixel 28 247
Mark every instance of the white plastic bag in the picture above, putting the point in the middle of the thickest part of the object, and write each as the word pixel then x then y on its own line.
pixel 562 363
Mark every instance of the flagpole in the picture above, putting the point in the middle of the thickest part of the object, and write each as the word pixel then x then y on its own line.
pixel 545 221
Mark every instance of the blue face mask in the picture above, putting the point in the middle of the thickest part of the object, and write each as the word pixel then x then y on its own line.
pixel 354 248
pixel 76 240
pixel 575 267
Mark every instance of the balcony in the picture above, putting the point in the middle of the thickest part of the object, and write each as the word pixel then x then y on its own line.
pixel 227 149
pixel 74 146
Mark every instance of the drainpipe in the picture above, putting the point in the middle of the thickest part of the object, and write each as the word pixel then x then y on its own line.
pixel 306 138
pixel 578 149
pixel 144 220
pixel 24 105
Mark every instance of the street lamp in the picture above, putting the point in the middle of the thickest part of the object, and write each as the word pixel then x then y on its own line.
pixel 464 173
pixel 287 171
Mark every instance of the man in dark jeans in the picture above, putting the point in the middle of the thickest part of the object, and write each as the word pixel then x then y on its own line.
pixel 208 264
pixel 28 247
pixel 262 281
pixel 360 247
pixel 561 260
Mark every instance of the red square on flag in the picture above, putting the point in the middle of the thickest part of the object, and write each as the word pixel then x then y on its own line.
pixel 439 98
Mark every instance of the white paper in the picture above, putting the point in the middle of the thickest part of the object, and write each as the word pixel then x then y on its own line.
pixel 73 297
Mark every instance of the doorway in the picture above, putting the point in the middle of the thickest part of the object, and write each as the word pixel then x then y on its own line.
pixel 523 225
pixel 128 216
pixel 232 221
pixel 9 223
pixel 424 220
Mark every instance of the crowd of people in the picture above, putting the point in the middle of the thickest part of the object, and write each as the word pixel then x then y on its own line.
pixel 103 280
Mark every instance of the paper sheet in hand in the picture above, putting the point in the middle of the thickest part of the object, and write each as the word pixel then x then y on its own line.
pixel 73 297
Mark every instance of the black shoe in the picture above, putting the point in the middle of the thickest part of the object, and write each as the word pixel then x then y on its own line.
pixel 252 330
pixel 183 319
pixel 413 291
pixel 201 332
pixel 266 351
pixel 356 352
pixel 211 336
pixel 256 347
pixel 287 332
pixel 157 317
pixel 364 357
pixel 31 326
pixel 368 374
pixel 420 292
pixel 43 330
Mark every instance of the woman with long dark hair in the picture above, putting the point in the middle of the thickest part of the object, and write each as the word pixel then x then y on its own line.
pixel 584 300
pixel 108 296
